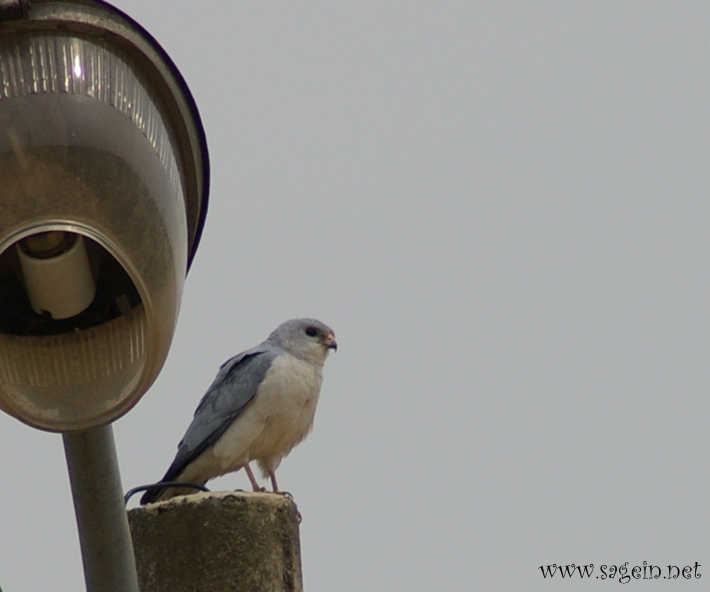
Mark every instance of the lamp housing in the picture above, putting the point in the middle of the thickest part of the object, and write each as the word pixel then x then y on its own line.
pixel 103 194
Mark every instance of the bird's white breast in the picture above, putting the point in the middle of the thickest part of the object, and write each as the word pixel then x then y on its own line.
pixel 278 418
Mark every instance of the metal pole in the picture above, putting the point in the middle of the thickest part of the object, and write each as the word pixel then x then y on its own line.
pixel 106 546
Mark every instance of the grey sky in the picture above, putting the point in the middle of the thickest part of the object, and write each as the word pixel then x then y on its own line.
pixel 502 210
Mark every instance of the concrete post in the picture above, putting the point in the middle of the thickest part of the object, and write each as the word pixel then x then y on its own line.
pixel 218 542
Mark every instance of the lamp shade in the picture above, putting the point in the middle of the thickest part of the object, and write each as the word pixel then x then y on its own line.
pixel 103 192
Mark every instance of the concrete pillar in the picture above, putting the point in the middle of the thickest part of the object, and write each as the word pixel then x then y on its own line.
pixel 218 542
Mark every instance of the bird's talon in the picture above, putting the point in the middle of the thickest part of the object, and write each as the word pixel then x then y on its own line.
pixel 286 494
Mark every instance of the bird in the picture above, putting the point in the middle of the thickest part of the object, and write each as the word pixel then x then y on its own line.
pixel 260 405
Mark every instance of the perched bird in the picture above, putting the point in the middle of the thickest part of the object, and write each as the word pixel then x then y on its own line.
pixel 260 405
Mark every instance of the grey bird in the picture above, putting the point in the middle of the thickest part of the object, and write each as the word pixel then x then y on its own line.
pixel 260 405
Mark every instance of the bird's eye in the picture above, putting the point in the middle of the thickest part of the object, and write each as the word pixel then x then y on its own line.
pixel 311 331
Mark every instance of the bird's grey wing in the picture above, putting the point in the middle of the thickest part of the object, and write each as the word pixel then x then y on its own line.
pixel 232 390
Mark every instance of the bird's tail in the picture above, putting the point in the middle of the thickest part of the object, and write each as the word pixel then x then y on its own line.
pixel 164 490
pixel 152 495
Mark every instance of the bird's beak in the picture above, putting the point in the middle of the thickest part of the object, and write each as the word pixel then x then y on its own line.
pixel 330 342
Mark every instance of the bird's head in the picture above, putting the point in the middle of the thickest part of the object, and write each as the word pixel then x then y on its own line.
pixel 307 339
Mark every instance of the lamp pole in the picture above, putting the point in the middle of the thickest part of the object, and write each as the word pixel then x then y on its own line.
pixel 106 546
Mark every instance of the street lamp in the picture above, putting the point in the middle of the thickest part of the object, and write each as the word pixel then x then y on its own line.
pixel 103 194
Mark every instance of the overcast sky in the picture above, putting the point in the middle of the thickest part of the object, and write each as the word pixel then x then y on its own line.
pixel 502 209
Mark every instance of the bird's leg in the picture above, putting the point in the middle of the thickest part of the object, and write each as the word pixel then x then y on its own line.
pixel 254 484
pixel 272 475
